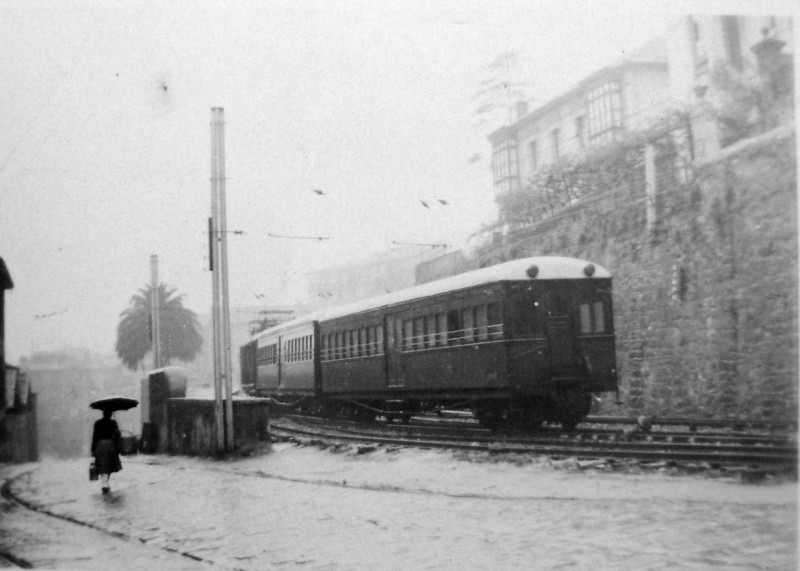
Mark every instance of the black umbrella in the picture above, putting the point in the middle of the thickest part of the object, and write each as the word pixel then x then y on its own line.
pixel 114 402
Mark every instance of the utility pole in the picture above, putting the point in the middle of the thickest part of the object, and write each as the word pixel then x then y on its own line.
pixel 219 272
pixel 155 314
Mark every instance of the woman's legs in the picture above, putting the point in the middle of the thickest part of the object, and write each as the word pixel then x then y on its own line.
pixel 104 481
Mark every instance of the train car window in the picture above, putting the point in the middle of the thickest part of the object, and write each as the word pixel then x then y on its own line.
pixel 408 333
pixel 453 327
pixel 398 334
pixel 419 333
pixel 494 320
pixel 441 329
pixel 430 331
pixel 337 343
pixel 466 323
pixel 378 340
pixel 586 318
pixel 362 342
pixel 599 317
pixel 480 322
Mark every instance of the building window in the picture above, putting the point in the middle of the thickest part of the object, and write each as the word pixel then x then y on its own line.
pixel 605 113
pixel 505 165
pixel 533 156
pixel 555 135
pixel 698 51
pixel 580 132
pixel 733 42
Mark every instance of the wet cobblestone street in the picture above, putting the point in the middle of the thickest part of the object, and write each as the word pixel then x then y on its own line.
pixel 315 509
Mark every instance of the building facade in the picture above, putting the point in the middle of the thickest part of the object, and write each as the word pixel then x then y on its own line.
pixel 625 96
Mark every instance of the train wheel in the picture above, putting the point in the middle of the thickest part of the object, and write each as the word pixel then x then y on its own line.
pixel 329 410
pixel 490 415
pixel 573 407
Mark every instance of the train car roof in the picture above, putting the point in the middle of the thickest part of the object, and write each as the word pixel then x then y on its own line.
pixel 548 268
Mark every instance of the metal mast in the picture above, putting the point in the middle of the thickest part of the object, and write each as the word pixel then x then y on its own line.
pixel 155 313
pixel 221 307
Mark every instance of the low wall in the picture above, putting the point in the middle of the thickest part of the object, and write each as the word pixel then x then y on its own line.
pixel 190 425
pixel 18 441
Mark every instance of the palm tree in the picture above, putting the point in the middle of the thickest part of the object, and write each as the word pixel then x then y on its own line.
pixel 179 328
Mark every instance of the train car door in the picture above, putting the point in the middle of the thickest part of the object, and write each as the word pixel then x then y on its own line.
pixel 560 332
pixel 394 355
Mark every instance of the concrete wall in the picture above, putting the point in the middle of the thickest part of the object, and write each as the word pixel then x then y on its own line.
pixel 706 304
pixel 18 441
pixel 190 425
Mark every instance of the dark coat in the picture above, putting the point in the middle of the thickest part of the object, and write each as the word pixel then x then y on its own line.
pixel 106 444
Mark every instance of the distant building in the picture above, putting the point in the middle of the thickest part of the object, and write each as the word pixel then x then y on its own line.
pixel 624 96
pixel 376 275
pixel 444 266
pixel 66 382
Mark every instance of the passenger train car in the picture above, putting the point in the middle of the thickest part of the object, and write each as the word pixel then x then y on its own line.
pixel 525 341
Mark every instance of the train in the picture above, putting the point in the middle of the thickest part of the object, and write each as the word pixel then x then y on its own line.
pixel 522 342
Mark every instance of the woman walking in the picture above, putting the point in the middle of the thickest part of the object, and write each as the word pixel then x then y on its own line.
pixel 106 444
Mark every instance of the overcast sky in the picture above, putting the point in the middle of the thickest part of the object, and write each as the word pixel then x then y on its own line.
pixel 105 144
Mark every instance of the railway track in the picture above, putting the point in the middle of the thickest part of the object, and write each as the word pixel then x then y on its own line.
pixel 754 453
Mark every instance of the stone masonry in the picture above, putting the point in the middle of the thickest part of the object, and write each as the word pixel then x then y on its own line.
pixel 706 295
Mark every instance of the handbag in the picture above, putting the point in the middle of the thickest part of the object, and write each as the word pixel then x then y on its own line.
pixel 92 472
